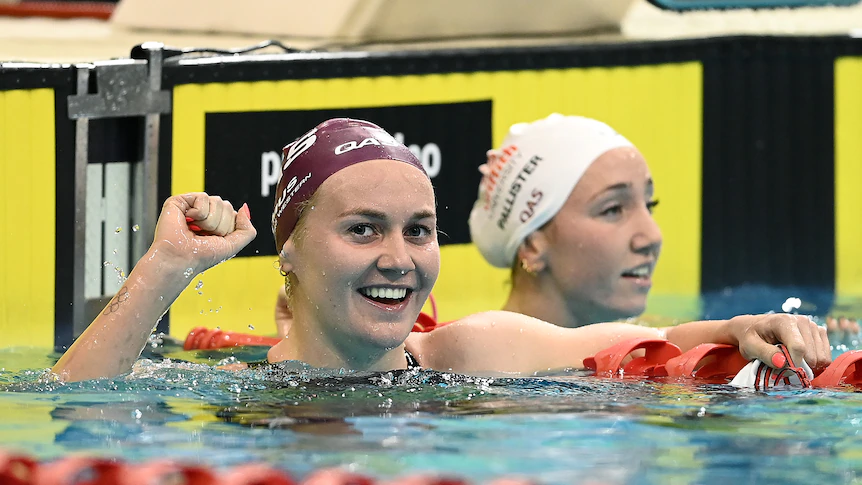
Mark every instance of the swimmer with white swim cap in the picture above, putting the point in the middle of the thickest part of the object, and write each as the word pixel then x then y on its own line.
pixel 354 220
pixel 566 202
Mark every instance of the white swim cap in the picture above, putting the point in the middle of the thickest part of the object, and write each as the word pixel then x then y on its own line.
pixel 527 181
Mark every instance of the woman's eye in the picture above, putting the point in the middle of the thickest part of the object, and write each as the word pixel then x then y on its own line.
pixel 418 231
pixel 613 210
pixel 364 230
pixel 651 205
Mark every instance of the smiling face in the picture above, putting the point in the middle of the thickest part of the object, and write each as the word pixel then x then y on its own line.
pixel 604 243
pixel 366 255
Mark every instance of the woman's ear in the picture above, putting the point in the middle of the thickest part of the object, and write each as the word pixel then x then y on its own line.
pixel 285 257
pixel 532 252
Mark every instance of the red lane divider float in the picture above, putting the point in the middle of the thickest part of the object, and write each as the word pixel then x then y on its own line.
pixel 609 362
pixel 709 362
pixel 166 471
pixel 78 470
pixel 16 470
pixel 257 474
pixel 843 371
pixel 202 338
pixel 58 10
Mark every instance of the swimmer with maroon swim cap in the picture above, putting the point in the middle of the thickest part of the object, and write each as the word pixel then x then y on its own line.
pixel 313 157
pixel 358 243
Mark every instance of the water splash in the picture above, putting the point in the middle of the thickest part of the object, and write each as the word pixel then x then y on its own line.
pixel 188 272
pixel 791 304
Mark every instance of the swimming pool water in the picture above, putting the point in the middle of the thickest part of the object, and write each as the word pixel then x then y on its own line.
pixel 557 429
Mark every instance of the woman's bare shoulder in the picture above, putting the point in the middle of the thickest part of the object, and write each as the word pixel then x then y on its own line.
pixel 494 317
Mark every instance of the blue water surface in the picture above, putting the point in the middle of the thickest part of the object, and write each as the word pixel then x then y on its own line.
pixel 564 428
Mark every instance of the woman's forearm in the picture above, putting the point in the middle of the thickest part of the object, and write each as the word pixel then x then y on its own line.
pixel 114 340
pixel 689 335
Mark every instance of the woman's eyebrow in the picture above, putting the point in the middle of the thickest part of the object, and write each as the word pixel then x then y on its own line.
pixel 369 213
pixel 622 186
pixel 424 214
pixel 380 215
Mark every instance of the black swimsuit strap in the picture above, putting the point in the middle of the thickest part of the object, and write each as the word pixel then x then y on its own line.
pixel 412 363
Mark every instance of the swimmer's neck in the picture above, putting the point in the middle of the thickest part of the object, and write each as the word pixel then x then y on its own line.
pixel 537 297
pixel 305 343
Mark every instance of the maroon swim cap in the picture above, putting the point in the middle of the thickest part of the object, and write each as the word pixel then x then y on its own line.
pixel 312 158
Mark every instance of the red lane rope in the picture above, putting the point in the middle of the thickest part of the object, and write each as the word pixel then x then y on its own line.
pixel 79 470
pixel 58 10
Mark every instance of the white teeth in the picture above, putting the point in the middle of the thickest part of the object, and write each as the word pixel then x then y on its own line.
pixel 391 293
pixel 639 271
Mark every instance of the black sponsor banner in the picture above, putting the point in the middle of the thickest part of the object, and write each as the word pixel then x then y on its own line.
pixel 768 151
pixel 243 156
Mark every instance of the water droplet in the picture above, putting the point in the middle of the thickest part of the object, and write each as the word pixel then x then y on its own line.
pixel 137 414
pixel 118 230
pixel 218 328
pixel 202 312
pixel 188 272
pixel 791 304
pixel 161 297
pixel 323 273
pixel 107 263
pixel 116 251
pixel 136 228
pixel 199 285
pixel 251 327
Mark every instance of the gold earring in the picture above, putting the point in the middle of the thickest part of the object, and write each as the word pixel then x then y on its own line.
pixel 526 267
